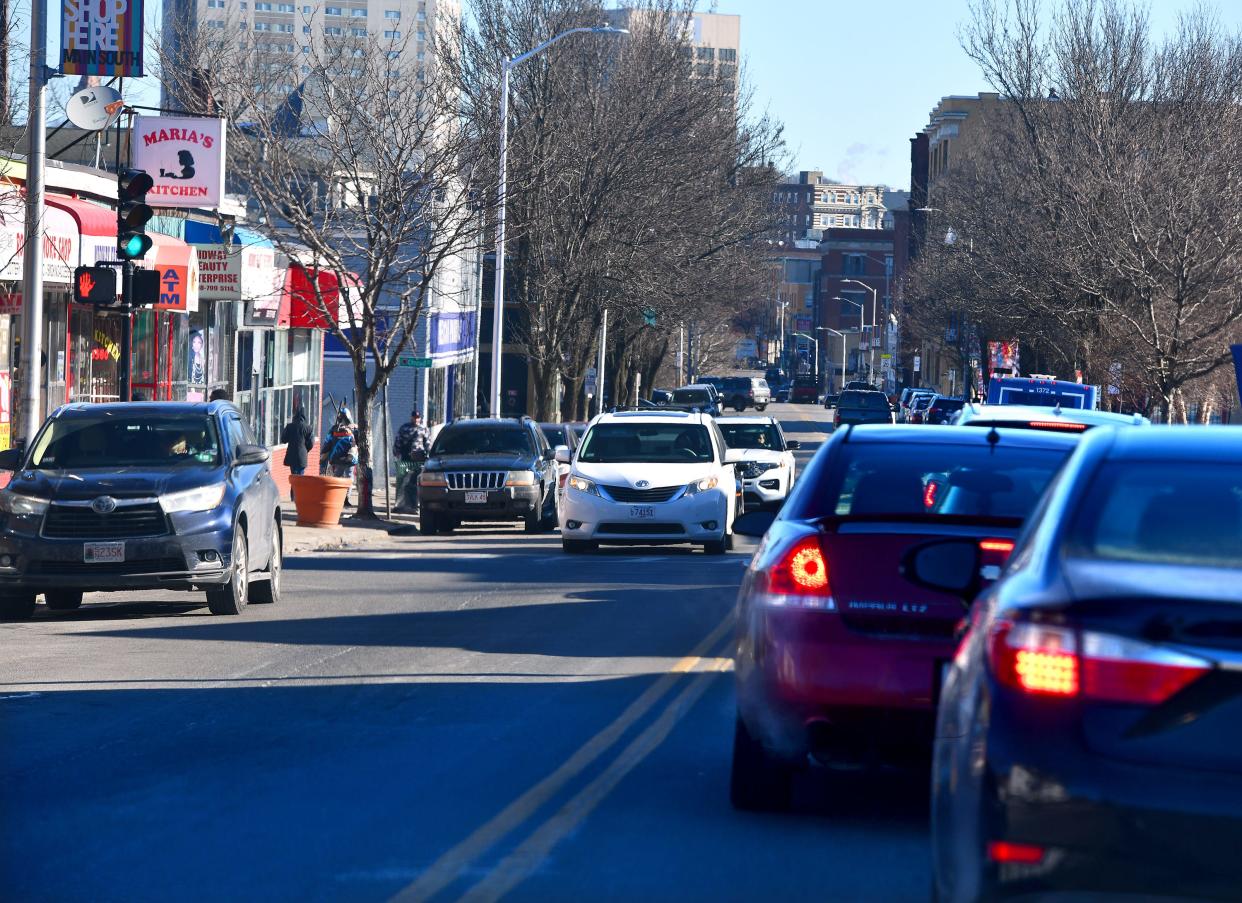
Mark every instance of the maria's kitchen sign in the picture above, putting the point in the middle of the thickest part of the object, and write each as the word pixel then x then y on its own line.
pixel 184 157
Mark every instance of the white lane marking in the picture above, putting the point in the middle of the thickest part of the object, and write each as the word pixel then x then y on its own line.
pixel 19 696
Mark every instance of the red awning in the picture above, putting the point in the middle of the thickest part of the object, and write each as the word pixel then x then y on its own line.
pixel 305 310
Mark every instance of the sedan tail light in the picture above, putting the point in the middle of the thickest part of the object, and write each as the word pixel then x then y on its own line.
pixel 1059 661
pixel 799 579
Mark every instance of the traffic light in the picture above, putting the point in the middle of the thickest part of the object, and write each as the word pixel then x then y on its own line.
pixel 132 213
pixel 94 285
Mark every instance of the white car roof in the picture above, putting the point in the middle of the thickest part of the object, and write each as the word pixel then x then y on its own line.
pixel 649 416
pixel 1024 413
pixel 752 419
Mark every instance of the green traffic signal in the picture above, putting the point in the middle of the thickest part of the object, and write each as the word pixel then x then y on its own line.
pixel 133 245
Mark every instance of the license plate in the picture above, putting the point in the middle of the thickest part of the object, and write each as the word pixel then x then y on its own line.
pixel 99 552
pixel 476 498
pixel 641 511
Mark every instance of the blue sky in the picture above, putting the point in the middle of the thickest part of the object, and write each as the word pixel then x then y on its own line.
pixel 853 81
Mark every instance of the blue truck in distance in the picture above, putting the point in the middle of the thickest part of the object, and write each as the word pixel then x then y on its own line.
pixel 1042 391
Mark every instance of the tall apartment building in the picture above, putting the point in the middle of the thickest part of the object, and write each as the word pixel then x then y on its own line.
pixel 293 32
pixel 714 39
pixel 813 204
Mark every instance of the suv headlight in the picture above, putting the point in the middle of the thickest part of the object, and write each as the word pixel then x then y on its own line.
pixel 753 469
pixel 520 478
pixel 203 498
pixel 22 505
pixel 582 484
pixel 702 485
pixel 432 479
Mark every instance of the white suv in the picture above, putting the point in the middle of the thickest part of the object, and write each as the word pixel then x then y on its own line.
pixel 768 469
pixel 647 477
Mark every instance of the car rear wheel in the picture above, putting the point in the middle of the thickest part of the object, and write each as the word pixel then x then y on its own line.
pixel 16 606
pixel 231 598
pixel 578 546
pixel 266 591
pixel 758 782
pixel 63 599
pixel 761 407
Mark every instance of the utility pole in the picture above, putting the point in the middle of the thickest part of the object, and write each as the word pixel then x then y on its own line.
pixel 603 342
pixel 32 262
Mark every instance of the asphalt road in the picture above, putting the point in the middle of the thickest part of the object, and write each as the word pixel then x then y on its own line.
pixel 473 717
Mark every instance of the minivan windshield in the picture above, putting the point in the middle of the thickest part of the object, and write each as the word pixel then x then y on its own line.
pixel 483 441
pixel 114 440
pixel 646 443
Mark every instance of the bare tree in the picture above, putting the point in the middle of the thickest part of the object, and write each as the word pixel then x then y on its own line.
pixel 1101 220
pixel 359 167
pixel 634 185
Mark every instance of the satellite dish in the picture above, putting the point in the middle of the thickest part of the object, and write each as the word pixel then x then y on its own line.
pixel 95 109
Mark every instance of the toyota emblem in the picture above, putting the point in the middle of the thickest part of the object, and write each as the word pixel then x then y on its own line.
pixel 643 484
pixel 105 504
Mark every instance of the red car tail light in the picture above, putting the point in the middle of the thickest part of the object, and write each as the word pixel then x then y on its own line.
pixel 1057 425
pixel 1003 546
pixel 1118 669
pixel 1035 658
pixel 929 494
pixel 1023 853
pixel 1058 661
pixel 799 579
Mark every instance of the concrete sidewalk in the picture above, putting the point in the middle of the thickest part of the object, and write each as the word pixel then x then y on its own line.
pixel 351 533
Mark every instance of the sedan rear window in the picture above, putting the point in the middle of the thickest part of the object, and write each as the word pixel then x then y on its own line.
pixel 877 481
pixel 646 443
pixel 868 401
pixel 1162 513
pixel 79 443
pixel 692 396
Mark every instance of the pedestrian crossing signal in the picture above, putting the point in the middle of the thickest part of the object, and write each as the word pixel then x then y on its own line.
pixel 95 285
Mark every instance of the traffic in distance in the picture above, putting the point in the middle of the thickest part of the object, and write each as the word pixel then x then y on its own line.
pixel 1032 603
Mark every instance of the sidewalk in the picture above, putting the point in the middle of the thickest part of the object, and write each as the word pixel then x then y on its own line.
pixel 350 534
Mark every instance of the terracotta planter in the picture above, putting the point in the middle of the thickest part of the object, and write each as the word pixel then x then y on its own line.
pixel 319 499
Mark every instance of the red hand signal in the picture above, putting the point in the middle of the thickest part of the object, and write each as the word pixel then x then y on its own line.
pixel 86 285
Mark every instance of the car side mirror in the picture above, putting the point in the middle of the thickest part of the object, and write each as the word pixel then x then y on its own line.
pixel 755 523
pixel 251 454
pixel 549 454
pixel 949 565
pixel 11 458
pixel 734 456
pixel 793 444
pixel 563 455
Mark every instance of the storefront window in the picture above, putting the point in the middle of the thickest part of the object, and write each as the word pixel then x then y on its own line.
pixel 56 309
pixel 173 380
pixel 143 366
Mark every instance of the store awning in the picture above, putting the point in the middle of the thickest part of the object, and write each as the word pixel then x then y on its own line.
pixel 96 224
pixel 177 264
pixel 62 245
pixel 306 310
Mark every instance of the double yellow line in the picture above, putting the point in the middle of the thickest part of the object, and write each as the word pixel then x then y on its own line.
pixel 528 855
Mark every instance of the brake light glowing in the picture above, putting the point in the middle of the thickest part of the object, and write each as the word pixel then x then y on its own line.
pixel 1055 673
pixel 1035 658
pixel 1057 425
pixel 800 578
pixel 807 568
pixel 929 494
pixel 1004 546
pixel 1023 853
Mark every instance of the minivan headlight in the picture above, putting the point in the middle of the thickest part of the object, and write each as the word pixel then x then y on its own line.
pixel 22 505
pixel 702 485
pixel 202 498
pixel 582 485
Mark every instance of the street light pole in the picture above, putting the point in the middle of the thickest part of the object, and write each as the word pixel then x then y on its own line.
pixel 862 324
pixel 871 343
pixel 32 270
pixel 843 351
pixel 502 200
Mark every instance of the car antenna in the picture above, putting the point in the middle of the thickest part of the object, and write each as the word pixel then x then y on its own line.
pixel 994 438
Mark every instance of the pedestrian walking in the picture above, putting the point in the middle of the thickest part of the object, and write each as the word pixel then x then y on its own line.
pixel 298 441
pixel 411 448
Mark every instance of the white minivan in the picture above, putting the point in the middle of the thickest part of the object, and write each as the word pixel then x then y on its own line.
pixel 650 477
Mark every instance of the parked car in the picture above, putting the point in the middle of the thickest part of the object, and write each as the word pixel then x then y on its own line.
pixel 498 469
pixel 155 495
pixel 943 410
pixel 1089 740
pixel 855 407
pixel 767 467
pixel 699 397
pixel 742 392
pixel 661 396
pixel 1068 420
pixel 559 434
pixel 805 390
pixel 650 478
pixel 838 656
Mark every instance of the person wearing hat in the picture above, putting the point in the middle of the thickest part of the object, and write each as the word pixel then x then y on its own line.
pixel 411 446
pixel 342 447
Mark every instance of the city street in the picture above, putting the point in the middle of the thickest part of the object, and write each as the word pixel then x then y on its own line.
pixel 473 717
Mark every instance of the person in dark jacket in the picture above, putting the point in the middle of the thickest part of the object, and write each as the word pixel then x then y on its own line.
pixel 299 440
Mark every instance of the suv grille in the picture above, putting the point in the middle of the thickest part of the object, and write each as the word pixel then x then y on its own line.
pixel 642 529
pixel 78 568
pixel 626 494
pixel 73 522
pixel 477 479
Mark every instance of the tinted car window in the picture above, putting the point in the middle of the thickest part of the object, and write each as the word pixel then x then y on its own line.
pixel 948 404
pixel 737 382
pixel 878 480
pixel 623 443
pixel 805 382
pixel 1162 513
pixel 752 435
pixel 558 434
pixel 868 401
pixel 84 442
pixel 692 396
pixel 483 441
